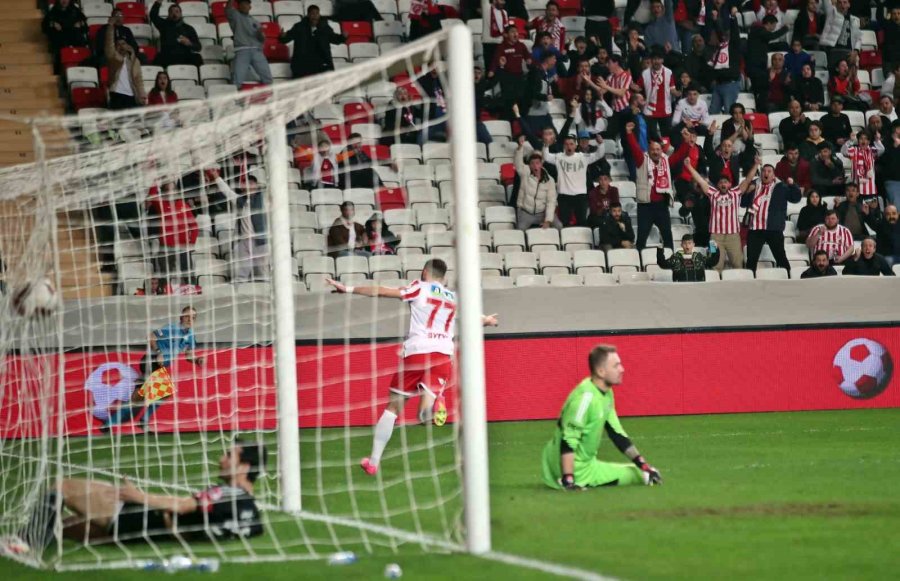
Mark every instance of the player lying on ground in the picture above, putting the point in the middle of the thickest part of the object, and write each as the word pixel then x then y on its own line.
pixel 104 512
pixel 426 368
pixel 570 457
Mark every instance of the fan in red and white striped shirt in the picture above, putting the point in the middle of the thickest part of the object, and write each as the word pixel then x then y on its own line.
pixel 724 200
pixel 618 84
pixel 831 237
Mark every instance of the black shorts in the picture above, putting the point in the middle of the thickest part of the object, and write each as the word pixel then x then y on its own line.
pixel 137 522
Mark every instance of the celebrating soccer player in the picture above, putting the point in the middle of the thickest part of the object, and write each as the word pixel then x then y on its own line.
pixel 427 366
pixel 570 457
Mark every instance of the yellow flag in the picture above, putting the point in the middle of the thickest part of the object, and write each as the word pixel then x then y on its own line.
pixel 158 386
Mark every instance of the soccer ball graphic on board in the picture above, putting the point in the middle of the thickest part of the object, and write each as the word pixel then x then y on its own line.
pixel 863 368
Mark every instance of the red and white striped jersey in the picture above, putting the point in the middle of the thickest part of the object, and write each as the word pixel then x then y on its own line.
pixel 620 81
pixel 723 215
pixel 834 242
pixel 760 206
pixel 862 168
pixel 432 318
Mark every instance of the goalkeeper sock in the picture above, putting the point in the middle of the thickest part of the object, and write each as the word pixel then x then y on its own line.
pixel 38 533
pixel 122 415
pixel 148 413
pixel 383 430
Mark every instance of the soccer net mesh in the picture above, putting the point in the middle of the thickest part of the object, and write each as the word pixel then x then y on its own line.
pixel 135 216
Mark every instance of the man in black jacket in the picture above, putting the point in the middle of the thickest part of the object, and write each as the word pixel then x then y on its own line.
pixel 867 262
pixel 836 126
pixel 758 47
pixel 122 32
pixel 820 266
pixel 312 38
pixel 686 264
pixel 178 41
pixel 887 232
pixel 615 229
pixel 767 209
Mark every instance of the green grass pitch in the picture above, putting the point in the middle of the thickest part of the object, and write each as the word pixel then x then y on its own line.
pixel 810 495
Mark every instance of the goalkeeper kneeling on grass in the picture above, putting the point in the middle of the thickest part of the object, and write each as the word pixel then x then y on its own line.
pixel 570 457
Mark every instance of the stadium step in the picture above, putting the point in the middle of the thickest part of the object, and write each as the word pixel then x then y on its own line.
pixel 26 71
pixel 25 58
pixel 14 91
pixel 20 31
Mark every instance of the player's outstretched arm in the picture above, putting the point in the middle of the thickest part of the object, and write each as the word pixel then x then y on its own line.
pixel 128 492
pixel 367 291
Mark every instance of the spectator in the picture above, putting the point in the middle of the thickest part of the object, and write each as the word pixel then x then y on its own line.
pixel 600 200
pixel 654 188
pixel 691 113
pixel 867 262
pixel 808 89
pixel 832 238
pixel 572 187
pixel 811 215
pixel 153 287
pixel 537 140
pixel 65 25
pixel 795 167
pixel 424 18
pixel 688 155
pixel 509 65
pixel 766 215
pixel 161 93
pixel 862 156
pixel 774 93
pixel 890 168
pixel 552 25
pixel 542 88
pixel 593 114
pixel 820 266
pixel 689 19
pixel 634 52
pixel 809 148
pixel 121 31
pixel 312 38
pixel 758 49
pixel 494 32
pixel 356 165
pixel 543 45
pixel 658 85
pixel 380 238
pixel 589 146
pixel 126 85
pixel 356 10
pixel 853 211
pixel 178 41
pixel 725 163
pixel 642 130
pixel 770 8
pixel 827 172
pixel 435 115
pixel 483 101
pixel 660 31
pixel 796 58
pixel 738 130
pixel 178 231
pixel 890 83
pixel 347 237
pixel 844 83
pixel 724 226
pixel 402 120
pixel 890 47
pixel 615 229
pixel 324 168
pixel 886 110
pixel 583 53
pixel 617 85
pixel 795 127
pixel 686 264
pixel 836 126
pixel 838 37
pixel 726 64
pixel 248 44
pixel 537 198
pixel 698 64
pixel 809 25
pixel 887 232
pixel 252 249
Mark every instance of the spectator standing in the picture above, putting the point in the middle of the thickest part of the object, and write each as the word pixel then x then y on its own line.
pixel 660 31
pixel 820 266
pixel 691 113
pixel 726 64
pixel 572 187
pixel 509 64
pixel 658 84
pixel 690 19
pixel 615 229
pixel 795 167
pixel 126 84
pixel 162 93
pixel 495 22
pixel 853 212
pixel 697 63
pixel 356 165
pixel 796 58
pixel 252 249
pixel 346 237
pixel 832 238
pixel 887 232
pixel 424 18
pixel 542 88
pixel 758 49
pixel 617 85
pixel 836 126
pixel 121 31
pixel 178 233
pixel 552 25
pixel 324 168
pixel 248 44
pixel 863 155
pixel 687 155
pixel 766 215
pixel 868 262
pixel 770 8
pixel 600 200
pixel 811 215
pixel 795 127
pixel 65 25
pixel 773 95
pixel 890 83
pixel 655 188
pixel 890 168
pixel 809 25
pixel 724 226
pixel 827 172
pixel 841 33
pixel 537 198
pixel 724 162
pixel 350 10
pixel 402 121
pixel 686 264
pixel 808 89
pixel 312 38
pixel 178 41
pixel 891 46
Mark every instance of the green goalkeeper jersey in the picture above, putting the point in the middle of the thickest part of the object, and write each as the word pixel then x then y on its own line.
pixel 584 416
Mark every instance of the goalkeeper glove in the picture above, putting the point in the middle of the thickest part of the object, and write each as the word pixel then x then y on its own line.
pixel 568 482
pixel 654 477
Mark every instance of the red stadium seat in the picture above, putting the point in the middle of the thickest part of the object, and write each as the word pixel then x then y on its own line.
pixel 614 24
pixel 303 156
pixel 270 29
pixel 870 59
pixel 521 25
pixel 569 7
pixel 759 122
pixel 358 113
pixel 73 56
pixel 335 132
pixel 377 153
pixel 875 94
pixel 217 9
pixel 250 86
pixel 149 52
pixel 88 97
pixel 132 12
pixel 276 52
pixel 93 29
pixel 357 31
pixel 507 174
pixel 391 199
pixel 103 75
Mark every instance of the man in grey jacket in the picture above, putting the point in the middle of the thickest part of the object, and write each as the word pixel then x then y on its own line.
pixel 536 203
pixel 248 44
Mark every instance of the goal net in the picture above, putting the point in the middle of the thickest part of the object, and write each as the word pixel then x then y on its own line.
pixel 190 247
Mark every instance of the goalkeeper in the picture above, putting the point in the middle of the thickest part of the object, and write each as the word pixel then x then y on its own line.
pixel 570 457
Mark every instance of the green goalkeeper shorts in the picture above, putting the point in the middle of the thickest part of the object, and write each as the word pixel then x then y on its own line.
pixel 599 473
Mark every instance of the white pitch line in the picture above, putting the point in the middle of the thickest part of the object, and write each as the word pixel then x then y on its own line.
pixel 545 567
